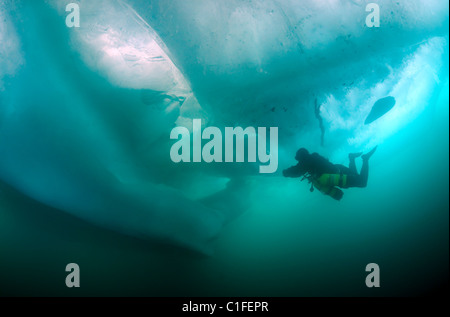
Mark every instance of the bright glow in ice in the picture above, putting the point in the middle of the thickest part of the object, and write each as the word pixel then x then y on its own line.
pixel 412 85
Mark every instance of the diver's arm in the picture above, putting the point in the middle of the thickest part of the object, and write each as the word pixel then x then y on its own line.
pixel 294 171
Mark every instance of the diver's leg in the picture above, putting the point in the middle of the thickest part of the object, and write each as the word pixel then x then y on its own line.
pixel 355 180
pixel 352 164
pixel 364 175
pixel 361 179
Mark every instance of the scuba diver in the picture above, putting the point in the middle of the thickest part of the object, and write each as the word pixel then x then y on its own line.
pixel 326 176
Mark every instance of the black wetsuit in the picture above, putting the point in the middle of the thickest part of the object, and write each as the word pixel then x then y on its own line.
pixel 317 165
pixel 313 164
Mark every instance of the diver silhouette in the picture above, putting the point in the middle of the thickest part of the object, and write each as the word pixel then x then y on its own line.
pixel 326 176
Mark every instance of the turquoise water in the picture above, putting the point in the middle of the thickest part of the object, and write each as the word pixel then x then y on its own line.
pixel 86 175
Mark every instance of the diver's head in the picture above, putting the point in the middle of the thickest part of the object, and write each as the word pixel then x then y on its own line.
pixel 301 154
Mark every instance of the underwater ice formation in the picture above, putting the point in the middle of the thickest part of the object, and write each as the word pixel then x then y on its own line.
pixel 86 113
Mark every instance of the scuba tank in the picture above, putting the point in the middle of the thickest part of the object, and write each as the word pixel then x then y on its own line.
pixel 327 183
pixel 333 180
